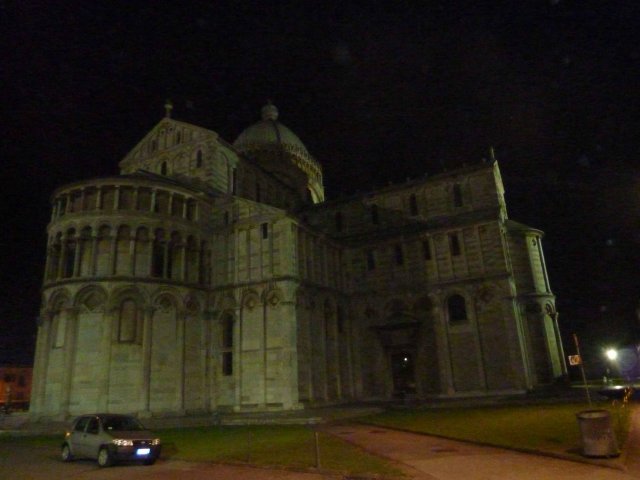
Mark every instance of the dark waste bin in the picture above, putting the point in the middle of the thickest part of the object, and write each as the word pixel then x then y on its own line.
pixel 598 439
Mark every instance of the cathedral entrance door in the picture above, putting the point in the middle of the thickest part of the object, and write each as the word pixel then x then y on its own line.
pixel 403 372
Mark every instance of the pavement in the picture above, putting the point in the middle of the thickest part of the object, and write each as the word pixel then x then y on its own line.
pixel 420 457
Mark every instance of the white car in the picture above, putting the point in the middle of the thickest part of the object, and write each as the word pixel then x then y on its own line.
pixel 109 438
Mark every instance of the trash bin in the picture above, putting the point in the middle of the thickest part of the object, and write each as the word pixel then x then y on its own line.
pixel 598 439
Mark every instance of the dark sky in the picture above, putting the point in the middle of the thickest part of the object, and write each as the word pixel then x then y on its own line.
pixel 378 93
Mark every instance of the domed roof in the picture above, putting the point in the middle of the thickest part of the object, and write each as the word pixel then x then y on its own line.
pixel 269 133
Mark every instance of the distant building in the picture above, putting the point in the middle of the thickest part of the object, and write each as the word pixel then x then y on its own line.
pixel 15 386
pixel 211 276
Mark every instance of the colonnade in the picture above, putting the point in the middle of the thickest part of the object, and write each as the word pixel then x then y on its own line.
pixel 110 197
pixel 109 251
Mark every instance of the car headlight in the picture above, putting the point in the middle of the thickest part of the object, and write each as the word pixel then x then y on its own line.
pixel 155 441
pixel 122 442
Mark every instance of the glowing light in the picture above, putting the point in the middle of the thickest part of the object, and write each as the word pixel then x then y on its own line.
pixel 611 354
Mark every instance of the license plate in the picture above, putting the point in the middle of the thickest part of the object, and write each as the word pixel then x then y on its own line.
pixel 143 451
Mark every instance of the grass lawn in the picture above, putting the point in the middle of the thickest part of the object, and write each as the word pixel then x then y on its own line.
pixel 286 446
pixel 279 446
pixel 540 427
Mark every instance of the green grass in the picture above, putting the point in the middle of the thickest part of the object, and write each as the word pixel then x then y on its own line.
pixel 539 427
pixel 284 446
pixel 32 440
pixel 277 446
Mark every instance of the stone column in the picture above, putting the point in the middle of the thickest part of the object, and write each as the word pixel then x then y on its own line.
pixel 180 340
pixel 63 254
pixel 209 386
pixel 135 198
pixel 147 333
pixel 113 238
pixel 182 254
pixel 94 254
pixel 110 316
pixel 132 252
pixel 116 198
pixel 71 332
pixel 40 364
pixel 77 253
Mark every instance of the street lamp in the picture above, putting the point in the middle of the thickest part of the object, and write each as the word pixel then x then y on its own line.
pixel 612 354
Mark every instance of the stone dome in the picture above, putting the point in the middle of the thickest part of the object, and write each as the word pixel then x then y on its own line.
pixel 269 136
pixel 269 133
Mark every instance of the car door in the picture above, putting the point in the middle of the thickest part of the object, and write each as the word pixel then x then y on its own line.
pixel 77 438
pixel 92 438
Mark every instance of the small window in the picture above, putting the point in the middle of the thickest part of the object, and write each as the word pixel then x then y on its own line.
pixel 21 381
pixel 265 230
pixel 199 159
pixel 374 214
pixel 457 196
pixel 227 364
pixel 178 137
pixel 227 333
pixel 226 218
pixel 413 204
pixel 399 255
pixel 163 168
pixel 457 309
pixel 454 244
pixel 426 249
pixel 338 222
pixel 371 261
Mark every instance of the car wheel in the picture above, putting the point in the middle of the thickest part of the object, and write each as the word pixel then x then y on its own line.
pixel 104 458
pixel 66 454
pixel 150 461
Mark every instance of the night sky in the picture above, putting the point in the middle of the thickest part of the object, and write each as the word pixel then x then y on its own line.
pixel 378 94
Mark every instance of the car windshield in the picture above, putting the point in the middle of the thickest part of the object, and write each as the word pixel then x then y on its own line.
pixel 121 424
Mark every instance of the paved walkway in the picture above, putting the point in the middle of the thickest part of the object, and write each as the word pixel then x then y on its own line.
pixel 424 457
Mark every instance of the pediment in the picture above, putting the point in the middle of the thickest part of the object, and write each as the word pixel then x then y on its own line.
pixel 167 136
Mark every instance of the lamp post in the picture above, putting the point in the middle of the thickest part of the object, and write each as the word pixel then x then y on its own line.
pixel 612 356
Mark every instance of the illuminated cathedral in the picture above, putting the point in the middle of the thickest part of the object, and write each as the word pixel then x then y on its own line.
pixel 215 277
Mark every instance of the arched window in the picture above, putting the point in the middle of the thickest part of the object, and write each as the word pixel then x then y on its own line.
pixel 158 255
pixel 413 204
pixel 199 159
pixel 399 255
pixel 338 221
pixel 69 254
pixel 457 196
pixel 128 321
pixel 457 309
pixel 163 168
pixel 191 209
